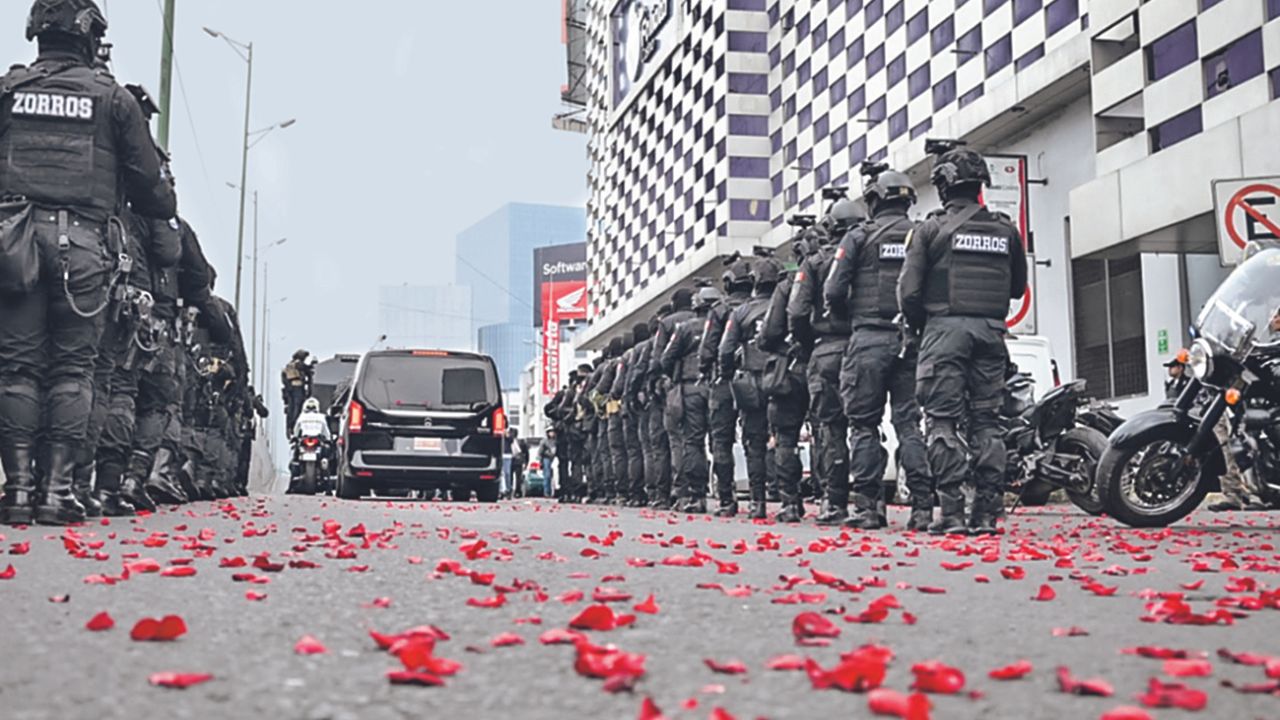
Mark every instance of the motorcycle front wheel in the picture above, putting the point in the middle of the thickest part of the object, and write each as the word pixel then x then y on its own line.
pixel 1153 483
pixel 1089 445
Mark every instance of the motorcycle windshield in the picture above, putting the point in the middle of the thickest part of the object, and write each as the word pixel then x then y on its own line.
pixel 1244 308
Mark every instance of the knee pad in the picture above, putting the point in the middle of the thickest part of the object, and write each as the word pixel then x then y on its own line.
pixel 943 430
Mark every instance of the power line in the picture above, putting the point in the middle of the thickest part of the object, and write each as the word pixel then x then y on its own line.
pixel 496 284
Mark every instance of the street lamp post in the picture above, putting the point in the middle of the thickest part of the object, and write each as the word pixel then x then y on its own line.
pixel 245 51
pixel 266 268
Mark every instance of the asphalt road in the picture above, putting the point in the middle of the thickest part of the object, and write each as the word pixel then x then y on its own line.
pixel 53 667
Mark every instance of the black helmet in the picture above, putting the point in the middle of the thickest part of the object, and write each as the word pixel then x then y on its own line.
pixel 958 167
pixel 301 355
pixel 738 274
pixel 890 185
pixel 806 242
pixel 706 298
pixel 843 216
pixel 682 299
pixel 79 18
pixel 640 331
pixel 614 349
pixel 766 272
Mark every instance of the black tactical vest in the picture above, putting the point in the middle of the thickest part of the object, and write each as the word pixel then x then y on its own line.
pixel 874 298
pixel 749 318
pixel 823 322
pixel 57 140
pixel 686 369
pixel 974 272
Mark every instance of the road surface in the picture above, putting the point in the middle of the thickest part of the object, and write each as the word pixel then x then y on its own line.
pixel 725 591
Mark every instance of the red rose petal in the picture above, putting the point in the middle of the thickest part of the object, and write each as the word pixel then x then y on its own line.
pixel 179 571
pixel 812 625
pixel 1126 712
pixel 309 646
pixel 731 667
pixel 649 606
pixel 892 703
pixel 649 711
pixel 1173 695
pixel 412 677
pixel 1188 668
pixel 1095 686
pixel 180 681
pixel 1046 594
pixel 101 621
pixel 8 573
pixel 786 662
pixel 1016 671
pixel 506 640
pixel 937 677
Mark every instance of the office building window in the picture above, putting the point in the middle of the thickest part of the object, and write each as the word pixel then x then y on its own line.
pixel 919 82
pixel 1059 14
pixel 897 69
pixel 898 124
pixel 1233 64
pixel 990 6
pixel 969 45
pixel 875 61
pixel 1111 348
pixel 874 11
pixel 1273 9
pixel 972 95
pixel 894 18
pixel 944 93
pixel 1029 57
pixel 1024 9
pixel 999 54
pixel 943 35
pixel 1176 129
pixel 918 26
pixel 1170 53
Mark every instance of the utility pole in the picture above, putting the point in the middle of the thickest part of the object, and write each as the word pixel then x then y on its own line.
pixel 166 75
pixel 244 174
pixel 254 309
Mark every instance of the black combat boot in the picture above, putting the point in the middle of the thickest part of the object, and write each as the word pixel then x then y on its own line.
pixel 19 486
pixel 951 521
pixel 136 493
pixel 834 510
pixel 727 509
pixel 160 484
pixel 983 519
pixel 757 510
pixel 58 504
pixel 113 502
pixel 694 505
pixel 866 514
pixel 921 519
pixel 82 486
pixel 792 510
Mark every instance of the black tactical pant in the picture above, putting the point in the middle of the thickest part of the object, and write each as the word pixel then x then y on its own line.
pixel 660 448
pixel 47 349
pixel 602 462
pixel 691 427
pixel 632 419
pixel 119 429
pixel 113 350
pixel 594 463
pixel 723 425
pixel 829 457
pixel 618 455
pixel 159 410
pixel 961 384
pixel 574 467
pixel 294 397
pixel 786 418
pixel 876 370
pixel 755 445
pixel 643 434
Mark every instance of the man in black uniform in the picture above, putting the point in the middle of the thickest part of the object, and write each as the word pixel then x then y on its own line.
pixel 786 386
pixel 72 144
pixel 636 406
pixel 625 444
pixel 592 422
pixel 740 332
pixel 963 267
pixel 823 337
pixel 657 462
pixel 668 448
pixel 722 414
pixel 880 363
pixel 680 364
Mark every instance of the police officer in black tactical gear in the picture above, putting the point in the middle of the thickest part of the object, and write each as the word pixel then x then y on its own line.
pixel 667 450
pixel 73 143
pixel 631 472
pixel 785 384
pixel 824 337
pixel 880 364
pixel 722 413
pixel 742 360
pixel 657 460
pixel 964 265
pixel 592 426
pixel 680 363
pixel 636 399
pixel 295 386
pixel 617 437
pixel 606 426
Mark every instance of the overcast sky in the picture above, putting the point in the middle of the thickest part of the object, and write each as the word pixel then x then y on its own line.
pixel 416 118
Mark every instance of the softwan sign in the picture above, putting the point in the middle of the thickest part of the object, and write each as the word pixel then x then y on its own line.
pixel 560 283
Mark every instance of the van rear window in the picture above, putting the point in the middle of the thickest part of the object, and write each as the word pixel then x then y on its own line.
pixel 431 383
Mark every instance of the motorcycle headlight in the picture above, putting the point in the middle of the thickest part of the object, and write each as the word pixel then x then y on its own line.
pixel 1200 360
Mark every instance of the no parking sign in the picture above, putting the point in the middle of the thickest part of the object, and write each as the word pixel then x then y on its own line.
pixel 1247 210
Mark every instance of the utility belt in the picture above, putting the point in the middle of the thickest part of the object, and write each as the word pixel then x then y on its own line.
pixel 829 344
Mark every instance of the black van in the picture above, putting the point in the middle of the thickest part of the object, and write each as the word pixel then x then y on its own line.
pixel 423 420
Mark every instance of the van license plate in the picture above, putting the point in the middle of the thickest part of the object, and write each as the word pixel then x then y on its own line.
pixel 428 444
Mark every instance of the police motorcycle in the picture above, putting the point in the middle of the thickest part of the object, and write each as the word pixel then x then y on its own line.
pixel 1159 465
pixel 313 454
pixel 1054 443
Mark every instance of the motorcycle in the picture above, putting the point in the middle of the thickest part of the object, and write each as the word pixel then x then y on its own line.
pixel 311 457
pixel 1159 466
pixel 1055 443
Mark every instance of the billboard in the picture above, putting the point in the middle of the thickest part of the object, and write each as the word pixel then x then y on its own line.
pixel 1008 194
pixel 560 295
pixel 560 283
pixel 641 32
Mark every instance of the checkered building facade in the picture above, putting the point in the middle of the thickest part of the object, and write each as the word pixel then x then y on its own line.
pixel 765 102
pixel 1165 71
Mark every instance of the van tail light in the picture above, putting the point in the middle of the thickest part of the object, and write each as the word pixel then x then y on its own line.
pixel 1057 376
pixel 498 422
pixel 355 417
